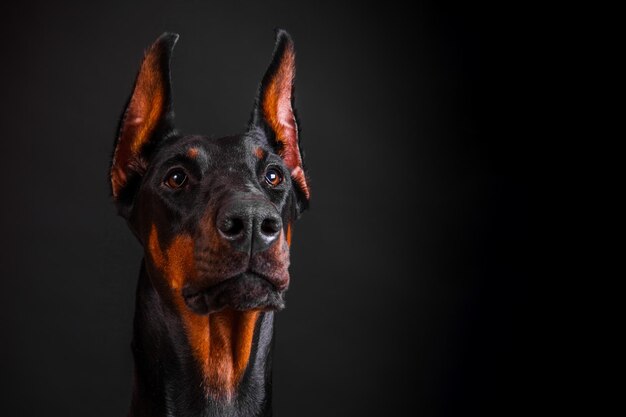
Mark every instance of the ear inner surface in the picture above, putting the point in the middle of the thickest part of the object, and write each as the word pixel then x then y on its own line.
pixel 277 107
pixel 148 110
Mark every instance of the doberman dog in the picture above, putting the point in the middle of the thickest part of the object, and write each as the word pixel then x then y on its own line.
pixel 214 217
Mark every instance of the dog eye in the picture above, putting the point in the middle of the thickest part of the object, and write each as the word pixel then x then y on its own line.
pixel 273 177
pixel 175 179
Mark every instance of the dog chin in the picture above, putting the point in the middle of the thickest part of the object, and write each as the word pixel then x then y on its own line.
pixel 247 291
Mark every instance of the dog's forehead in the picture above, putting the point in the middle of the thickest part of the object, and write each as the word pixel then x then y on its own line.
pixel 217 152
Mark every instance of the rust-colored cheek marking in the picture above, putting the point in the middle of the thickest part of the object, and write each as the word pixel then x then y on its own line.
pixel 180 261
pixel 154 249
pixel 221 342
pixel 177 263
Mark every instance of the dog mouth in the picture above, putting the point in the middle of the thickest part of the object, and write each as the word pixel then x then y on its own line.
pixel 246 291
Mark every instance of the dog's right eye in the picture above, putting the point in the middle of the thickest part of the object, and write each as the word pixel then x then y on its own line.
pixel 175 179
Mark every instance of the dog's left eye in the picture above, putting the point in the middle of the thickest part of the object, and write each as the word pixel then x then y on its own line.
pixel 273 177
pixel 175 179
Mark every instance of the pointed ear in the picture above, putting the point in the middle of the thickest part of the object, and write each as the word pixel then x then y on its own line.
pixel 274 110
pixel 148 118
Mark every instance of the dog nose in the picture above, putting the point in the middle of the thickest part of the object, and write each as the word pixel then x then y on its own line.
pixel 249 226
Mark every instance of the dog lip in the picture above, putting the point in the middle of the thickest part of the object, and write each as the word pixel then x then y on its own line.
pixel 188 292
pixel 263 277
pixel 248 290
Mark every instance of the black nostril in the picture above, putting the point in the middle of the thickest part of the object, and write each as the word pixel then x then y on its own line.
pixel 270 227
pixel 249 225
pixel 232 227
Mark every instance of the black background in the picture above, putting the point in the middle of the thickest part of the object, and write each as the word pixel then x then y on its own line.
pixel 409 285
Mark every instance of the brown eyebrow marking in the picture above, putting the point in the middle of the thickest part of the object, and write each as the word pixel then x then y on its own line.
pixel 259 152
pixel 192 152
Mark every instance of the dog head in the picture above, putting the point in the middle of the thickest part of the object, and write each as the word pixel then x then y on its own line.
pixel 214 215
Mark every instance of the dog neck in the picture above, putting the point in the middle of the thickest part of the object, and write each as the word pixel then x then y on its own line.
pixel 216 365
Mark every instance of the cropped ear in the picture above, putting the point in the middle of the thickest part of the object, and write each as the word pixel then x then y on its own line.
pixel 274 110
pixel 147 119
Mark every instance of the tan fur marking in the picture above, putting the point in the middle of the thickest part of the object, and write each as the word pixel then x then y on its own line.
pixel 289 234
pixel 192 152
pixel 180 262
pixel 154 249
pixel 231 334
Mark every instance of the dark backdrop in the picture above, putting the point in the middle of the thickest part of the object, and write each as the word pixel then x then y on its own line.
pixel 409 288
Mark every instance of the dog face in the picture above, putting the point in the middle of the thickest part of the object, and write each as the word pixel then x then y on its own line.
pixel 214 214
